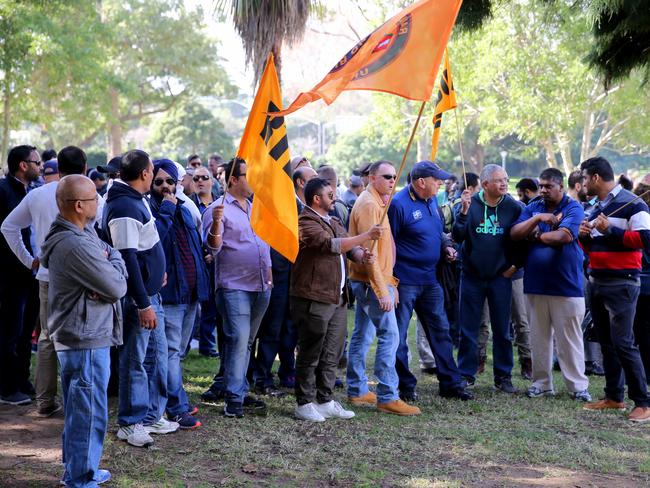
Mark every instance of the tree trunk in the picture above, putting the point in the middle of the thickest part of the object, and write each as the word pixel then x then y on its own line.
pixel 277 55
pixel 6 119
pixel 114 126
pixel 421 149
pixel 550 153
pixel 564 146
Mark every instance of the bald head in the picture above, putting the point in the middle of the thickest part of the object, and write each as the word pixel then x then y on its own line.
pixel 76 197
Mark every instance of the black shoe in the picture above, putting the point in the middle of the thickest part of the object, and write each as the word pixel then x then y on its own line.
pixel 209 354
pixel 592 368
pixel 505 385
pixel 409 396
pixel 271 391
pixel 212 396
pixel 468 381
pixel 255 406
pixel 527 369
pixel 233 410
pixel 459 392
pixel 432 371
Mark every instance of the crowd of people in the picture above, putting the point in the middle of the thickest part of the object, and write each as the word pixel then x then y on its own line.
pixel 116 269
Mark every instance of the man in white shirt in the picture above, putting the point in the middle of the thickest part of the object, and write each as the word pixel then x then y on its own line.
pixel 39 209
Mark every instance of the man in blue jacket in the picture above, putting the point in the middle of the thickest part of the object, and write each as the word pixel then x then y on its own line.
pixel 417 228
pixel 187 283
pixel 131 229
pixel 483 227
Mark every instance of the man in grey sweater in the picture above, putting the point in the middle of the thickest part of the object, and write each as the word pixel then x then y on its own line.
pixel 87 280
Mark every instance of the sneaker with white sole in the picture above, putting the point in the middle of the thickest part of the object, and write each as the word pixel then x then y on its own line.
pixel 581 396
pixel 333 409
pixel 308 412
pixel 163 426
pixel 135 435
pixel 536 392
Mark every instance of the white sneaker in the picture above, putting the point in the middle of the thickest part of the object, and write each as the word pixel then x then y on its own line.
pixel 333 409
pixel 308 412
pixel 163 426
pixel 135 435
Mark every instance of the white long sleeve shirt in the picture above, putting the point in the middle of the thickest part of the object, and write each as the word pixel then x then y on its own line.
pixel 38 209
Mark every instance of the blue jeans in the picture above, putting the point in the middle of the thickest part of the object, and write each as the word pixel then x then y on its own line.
pixel 268 337
pixel 179 322
pixel 473 292
pixel 84 381
pixel 370 317
pixel 242 313
pixel 428 303
pixel 143 367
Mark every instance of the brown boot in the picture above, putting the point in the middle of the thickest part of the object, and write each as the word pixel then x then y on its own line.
pixel 604 404
pixel 640 414
pixel 526 369
pixel 367 400
pixel 398 407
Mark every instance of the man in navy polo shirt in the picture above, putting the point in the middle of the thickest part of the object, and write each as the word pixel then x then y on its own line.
pixel 417 229
pixel 553 284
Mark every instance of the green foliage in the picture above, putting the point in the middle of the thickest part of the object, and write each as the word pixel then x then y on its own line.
pixel 190 128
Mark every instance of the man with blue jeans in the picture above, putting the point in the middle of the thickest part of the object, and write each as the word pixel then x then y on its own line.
pixel 243 281
pixel 374 288
pixel 187 283
pixel 130 228
pixel 483 227
pixel 417 229
pixel 87 278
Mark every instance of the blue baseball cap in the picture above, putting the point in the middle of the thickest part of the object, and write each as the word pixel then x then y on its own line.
pixel 423 169
pixel 51 167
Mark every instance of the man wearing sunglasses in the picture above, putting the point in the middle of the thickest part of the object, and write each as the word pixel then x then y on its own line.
pixel 19 302
pixel 187 283
pixel 417 228
pixel 375 290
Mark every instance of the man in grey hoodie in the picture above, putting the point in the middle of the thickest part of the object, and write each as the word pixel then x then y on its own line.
pixel 87 280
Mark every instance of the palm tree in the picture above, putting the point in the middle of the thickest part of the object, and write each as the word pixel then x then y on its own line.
pixel 264 25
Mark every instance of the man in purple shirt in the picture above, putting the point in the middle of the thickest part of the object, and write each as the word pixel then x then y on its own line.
pixel 243 281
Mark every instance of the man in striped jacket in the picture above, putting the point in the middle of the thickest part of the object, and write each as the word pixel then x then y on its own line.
pixel 614 236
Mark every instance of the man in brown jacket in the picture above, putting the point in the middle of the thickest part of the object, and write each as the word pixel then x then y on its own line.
pixel 318 304
pixel 375 289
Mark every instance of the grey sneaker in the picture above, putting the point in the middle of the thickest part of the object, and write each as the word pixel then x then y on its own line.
pixel 535 392
pixel 49 410
pixel 581 396
pixel 163 426
pixel 135 435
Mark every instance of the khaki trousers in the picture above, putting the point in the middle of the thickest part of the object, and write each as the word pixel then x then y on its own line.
pixel 46 360
pixel 560 317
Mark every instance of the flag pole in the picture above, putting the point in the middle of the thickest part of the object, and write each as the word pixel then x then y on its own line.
pixel 401 168
pixel 460 145
pixel 628 203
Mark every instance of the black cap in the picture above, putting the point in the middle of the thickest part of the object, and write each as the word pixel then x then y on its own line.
pixel 113 166
pixel 365 169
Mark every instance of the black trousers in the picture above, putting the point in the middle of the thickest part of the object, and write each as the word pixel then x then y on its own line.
pixel 19 310
pixel 613 308
pixel 642 331
pixel 322 328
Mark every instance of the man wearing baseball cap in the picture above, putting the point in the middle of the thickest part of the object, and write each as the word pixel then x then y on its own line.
pixel 51 171
pixel 417 229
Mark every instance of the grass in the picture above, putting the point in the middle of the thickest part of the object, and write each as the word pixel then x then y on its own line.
pixel 495 440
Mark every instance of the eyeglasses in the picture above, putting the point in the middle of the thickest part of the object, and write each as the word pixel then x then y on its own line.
pixel 160 181
pixel 195 164
pixel 37 163
pixel 95 198
pixel 389 177
pixel 330 195
pixel 201 177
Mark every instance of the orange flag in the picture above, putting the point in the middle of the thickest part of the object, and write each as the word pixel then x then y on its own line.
pixel 446 101
pixel 400 57
pixel 265 149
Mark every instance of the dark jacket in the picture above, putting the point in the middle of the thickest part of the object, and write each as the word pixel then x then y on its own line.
pixel 12 191
pixel 81 266
pixel 169 219
pixel 316 274
pixel 484 232
pixel 130 228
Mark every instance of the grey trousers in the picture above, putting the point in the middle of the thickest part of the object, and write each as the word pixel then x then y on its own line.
pixel 46 359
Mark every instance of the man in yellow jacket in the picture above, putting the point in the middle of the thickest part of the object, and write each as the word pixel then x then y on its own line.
pixel 375 289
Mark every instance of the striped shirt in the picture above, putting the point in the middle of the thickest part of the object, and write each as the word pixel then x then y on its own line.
pixel 618 254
